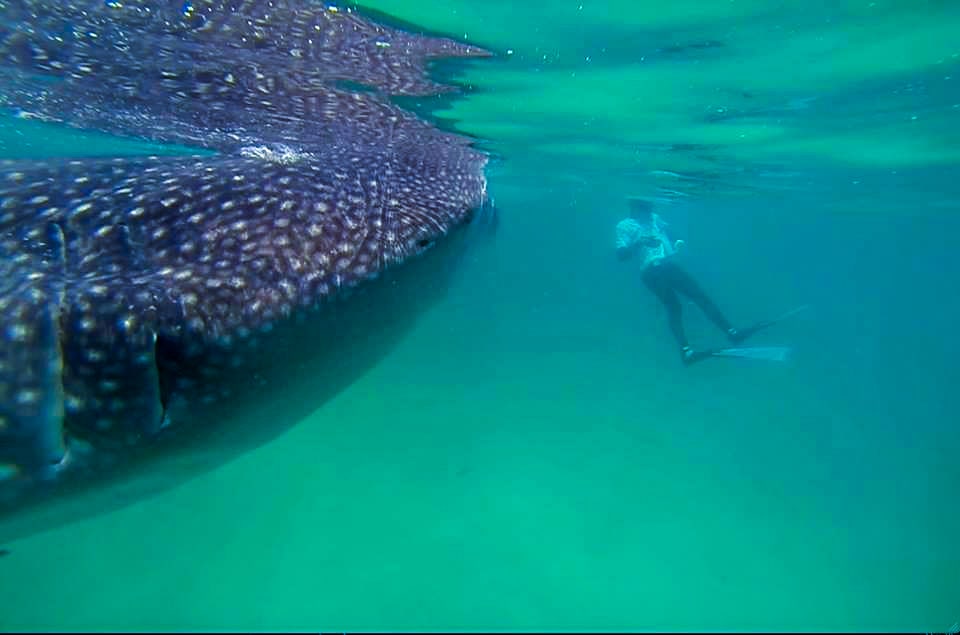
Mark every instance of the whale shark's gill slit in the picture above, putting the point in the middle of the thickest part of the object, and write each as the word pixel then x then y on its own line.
pixel 167 357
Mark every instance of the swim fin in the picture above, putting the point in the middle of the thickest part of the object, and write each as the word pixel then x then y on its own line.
pixel 766 353
pixel 744 333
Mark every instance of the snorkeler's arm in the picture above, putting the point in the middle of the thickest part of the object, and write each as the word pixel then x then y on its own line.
pixel 624 241
pixel 630 239
pixel 625 252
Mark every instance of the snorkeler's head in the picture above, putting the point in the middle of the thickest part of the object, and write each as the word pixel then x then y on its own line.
pixel 640 207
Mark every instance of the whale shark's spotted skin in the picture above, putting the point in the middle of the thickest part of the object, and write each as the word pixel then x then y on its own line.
pixel 117 275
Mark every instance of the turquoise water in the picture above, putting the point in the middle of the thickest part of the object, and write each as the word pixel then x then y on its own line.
pixel 530 453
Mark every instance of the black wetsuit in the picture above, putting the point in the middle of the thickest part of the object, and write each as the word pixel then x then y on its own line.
pixel 668 281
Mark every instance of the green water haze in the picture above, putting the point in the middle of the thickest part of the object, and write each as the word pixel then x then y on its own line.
pixel 531 454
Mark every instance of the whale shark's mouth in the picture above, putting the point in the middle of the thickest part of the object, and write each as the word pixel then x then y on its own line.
pixel 126 283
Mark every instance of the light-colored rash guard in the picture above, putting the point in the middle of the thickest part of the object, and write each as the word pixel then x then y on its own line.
pixel 631 232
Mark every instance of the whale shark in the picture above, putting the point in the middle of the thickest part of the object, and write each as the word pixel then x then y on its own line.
pixel 145 299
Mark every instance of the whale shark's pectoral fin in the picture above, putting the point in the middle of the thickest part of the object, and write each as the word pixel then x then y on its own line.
pixel 31 394
pixel 31 363
pixel 78 371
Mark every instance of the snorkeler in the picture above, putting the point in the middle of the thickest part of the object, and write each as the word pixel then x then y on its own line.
pixel 643 232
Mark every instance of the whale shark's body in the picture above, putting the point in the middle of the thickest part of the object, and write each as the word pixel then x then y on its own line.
pixel 138 293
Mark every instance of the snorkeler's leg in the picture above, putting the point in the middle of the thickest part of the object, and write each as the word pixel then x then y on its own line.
pixel 685 284
pixel 661 287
